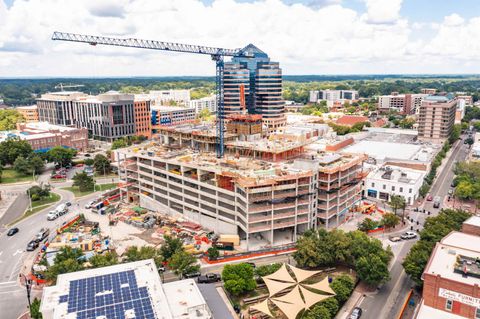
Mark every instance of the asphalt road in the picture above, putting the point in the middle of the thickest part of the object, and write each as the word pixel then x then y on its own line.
pixel 386 304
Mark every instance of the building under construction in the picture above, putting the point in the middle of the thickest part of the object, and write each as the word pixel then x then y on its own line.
pixel 267 190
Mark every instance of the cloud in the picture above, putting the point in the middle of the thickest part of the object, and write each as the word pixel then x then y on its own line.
pixel 325 38
pixel 383 11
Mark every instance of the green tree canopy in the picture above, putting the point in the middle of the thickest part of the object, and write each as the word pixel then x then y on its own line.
pixel 107 259
pixel 183 263
pixel 390 220
pixel 83 181
pixel 22 166
pixel 9 119
pixel 133 253
pixel 12 148
pixel 35 309
pixel 343 286
pixel 170 247
pixel 101 164
pixel 61 155
pixel 367 224
pixel 238 279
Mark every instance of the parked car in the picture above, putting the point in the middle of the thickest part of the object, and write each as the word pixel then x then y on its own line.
pixel 450 192
pixel 436 202
pixel 12 231
pixel 395 238
pixel 86 155
pixel 89 204
pixel 192 274
pixel 408 235
pixel 42 234
pixel 32 245
pixel 429 197
pixel 59 176
pixel 356 313
pixel 208 278
pixel 52 215
pixel 68 204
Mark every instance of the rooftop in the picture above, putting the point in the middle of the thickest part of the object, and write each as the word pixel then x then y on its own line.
pixel 452 248
pixel 350 120
pixel 131 290
pixel 474 221
pixel 396 174
pixel 382 150
pixel 426 312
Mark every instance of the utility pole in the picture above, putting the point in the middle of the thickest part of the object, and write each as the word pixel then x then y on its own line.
pixel 28 287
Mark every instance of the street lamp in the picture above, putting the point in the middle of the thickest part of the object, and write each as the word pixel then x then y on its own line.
pixel 28 287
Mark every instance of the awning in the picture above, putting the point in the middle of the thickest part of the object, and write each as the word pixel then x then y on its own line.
pixel 322 286
pixel 262 307
pixel 302 274
pixel 275 287
pixel 312 298
pixel 281 274
pixel 291 304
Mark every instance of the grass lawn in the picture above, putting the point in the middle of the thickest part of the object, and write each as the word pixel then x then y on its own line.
pixel 98 187
pixel 10 176
pixel 38 206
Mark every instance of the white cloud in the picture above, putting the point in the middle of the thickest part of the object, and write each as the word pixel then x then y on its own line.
pixel 328 38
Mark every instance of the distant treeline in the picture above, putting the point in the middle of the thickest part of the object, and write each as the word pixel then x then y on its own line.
pixel 21 91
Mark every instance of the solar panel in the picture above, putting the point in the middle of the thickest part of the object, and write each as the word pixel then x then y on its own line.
pixel 108 295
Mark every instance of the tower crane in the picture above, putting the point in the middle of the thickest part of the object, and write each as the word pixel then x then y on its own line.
pixel 61 86
pixel 217 55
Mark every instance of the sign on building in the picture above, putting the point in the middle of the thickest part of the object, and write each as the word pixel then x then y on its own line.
pixel 456 296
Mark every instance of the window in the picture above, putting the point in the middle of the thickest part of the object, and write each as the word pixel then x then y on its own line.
pixel 401 189
pixel 410 190
pixel 477 313
pixel 384 186
pixel 393 188
pixel 373 184
pixel 449 304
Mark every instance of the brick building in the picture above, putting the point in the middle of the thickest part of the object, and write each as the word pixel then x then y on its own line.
pixel 143 117
pixel 452 276
pixel 436 118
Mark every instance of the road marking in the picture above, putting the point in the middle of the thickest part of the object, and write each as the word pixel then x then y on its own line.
pixel 8 282
pixel 17 252
pixel 1 252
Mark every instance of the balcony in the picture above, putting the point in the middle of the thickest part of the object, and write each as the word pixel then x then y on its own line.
pixel 259 208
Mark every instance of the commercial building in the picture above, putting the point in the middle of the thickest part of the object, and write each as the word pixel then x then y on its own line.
pixel 385 181
pixel 258 81
pixel 429 91
pixel 467 98
pixel 130 290
pixel 452 276
pixel 143 117
pixel 333 95
pixel 172 115
pixel 436 117
pixel 208 103
pixel 30 113
pixel 106 116
pixel 350 120
pixel 169 97
pixel 402 103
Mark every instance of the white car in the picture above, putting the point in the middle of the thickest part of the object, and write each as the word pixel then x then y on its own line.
pixel 89 204
pixel 52 215
pixel 408 235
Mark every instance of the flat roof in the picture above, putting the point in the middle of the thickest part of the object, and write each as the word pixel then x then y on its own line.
pixel 382 150
pixel 164 108
pixel 185 299
pixel 444 256
pixel 474 220
pixel 397 174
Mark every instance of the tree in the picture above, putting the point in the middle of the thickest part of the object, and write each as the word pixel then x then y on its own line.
pixel 133 253
pixel 372 270
pixel 66 260
pixel 37 164
pixel 183 263
pixel 331 304
pixel 9 119
pixel 238 279
pixel 367 225
pixel 107 259
pixel 170 247
pixel 61 155
pixel 469 141
pixel 317 312
pixel 1 172
pixel 83 182
pixel 204 114
pixel 397 202
pixel 101 164
pixel 343 286
pixel 12 148
pixel 22 166
pixel 465 190
pixel 39 192
pixel 307 254
pixel 213 253
pixel 35 309
pixel 390 220
pixel 120 143
pixel 265 270
pixel 88 162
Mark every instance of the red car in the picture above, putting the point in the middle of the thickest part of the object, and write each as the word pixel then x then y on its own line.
pixel 58 176
pixel 79 165
pixel 429 197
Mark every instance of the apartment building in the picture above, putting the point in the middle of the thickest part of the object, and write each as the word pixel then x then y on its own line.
pixel 452 276
pixel 208 102
pixel 333 95
pixel 29 113
pixel 436 117
pixel 172 115
pixel 402 103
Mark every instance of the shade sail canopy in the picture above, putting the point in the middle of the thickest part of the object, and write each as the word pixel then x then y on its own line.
pixel 322 286
pixel 281 274
pixel 262 307
pixel 290 304
pixel 312 298
pixel 301 274
pixel 275 287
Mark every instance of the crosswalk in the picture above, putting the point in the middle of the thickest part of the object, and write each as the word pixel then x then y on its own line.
pixel 9 287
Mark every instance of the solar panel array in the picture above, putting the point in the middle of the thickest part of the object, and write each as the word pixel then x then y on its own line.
pixel 110 296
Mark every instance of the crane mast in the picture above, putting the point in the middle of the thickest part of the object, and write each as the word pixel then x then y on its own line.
pixel 217 55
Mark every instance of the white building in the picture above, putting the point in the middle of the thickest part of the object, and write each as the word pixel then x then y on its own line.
pixel 333 95
pixel 209 102
pixel 387 180
pixel 169 97
pixel 131 290
pixel 172 115
pixel 402 103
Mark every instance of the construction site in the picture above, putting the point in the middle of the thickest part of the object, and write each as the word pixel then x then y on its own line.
pixel 265 189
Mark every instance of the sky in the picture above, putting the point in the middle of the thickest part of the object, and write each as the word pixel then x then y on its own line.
pixel 305 36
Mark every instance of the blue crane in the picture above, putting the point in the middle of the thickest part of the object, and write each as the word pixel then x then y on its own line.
pixel 217 55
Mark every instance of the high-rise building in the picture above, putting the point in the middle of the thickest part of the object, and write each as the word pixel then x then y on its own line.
pixel 402 103
pixel 261 80
pixel 57 107
pixel 333 95
pixel 436 117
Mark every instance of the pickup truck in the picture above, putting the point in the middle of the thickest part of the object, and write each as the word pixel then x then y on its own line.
pixel 208 278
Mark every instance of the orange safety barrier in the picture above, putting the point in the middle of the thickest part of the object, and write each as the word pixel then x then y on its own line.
pixel 405 303
pixel 379 229
pixel 234 258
